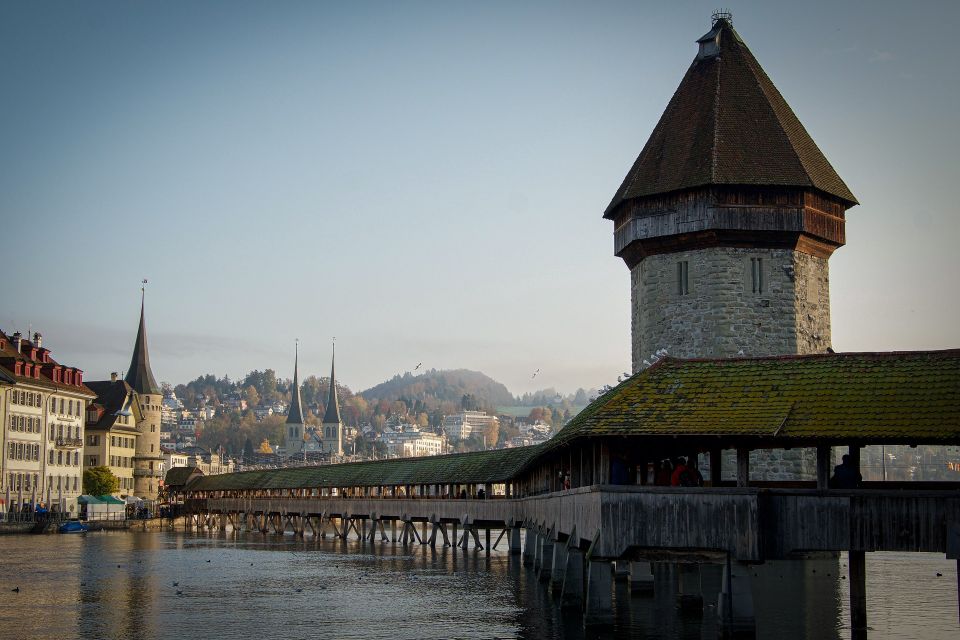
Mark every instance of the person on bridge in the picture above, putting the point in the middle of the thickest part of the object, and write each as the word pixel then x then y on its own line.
pixel 663 473
pixel 685 475
pixel 845 475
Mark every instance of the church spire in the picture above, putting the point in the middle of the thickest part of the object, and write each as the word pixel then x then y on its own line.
pixel 332 414
pixel 295 415
pixel 139 375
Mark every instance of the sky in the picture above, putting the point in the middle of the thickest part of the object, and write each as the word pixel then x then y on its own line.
pixel 425 181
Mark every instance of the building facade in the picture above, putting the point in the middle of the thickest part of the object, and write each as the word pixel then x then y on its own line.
pixel 728 217
pixel 42 406
pixel 111 431
pixel 727 220
pixel 331 429
pixel 295 431
pixel 148 459
pixel 460 426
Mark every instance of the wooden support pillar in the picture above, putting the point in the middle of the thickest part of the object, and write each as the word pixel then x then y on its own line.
pixel 546 556
pixel 854 453
pixel 537 552
pixel 515 546
pixel 454 534
pixel 858 593
pixel 571 594
pixel 716 467
pixel 823 466
pixel 529 547
pixel 735 608
pixel 423 538
pixel 599 600
pixel 641 575
pixel 488 540
pixel 558 566
pixel 690 596
pixel 743 467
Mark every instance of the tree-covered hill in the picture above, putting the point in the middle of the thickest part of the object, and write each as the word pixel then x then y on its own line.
pixel 462 387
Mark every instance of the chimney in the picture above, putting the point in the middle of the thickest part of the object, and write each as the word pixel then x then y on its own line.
pixel 113 376
pixel 17 340
pixel 37 340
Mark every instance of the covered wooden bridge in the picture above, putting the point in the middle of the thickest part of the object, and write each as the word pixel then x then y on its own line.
pixel 588 497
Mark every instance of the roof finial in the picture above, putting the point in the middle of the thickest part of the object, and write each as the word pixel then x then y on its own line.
pixel 722 14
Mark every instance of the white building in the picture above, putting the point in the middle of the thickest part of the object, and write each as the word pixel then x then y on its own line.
pixel 410 442
pixel 461 426
pixel 42 412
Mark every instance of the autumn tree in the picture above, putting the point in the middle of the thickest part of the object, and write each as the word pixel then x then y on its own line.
pixel 100 481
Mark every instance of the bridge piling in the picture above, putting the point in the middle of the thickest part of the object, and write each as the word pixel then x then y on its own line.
pixel 599 600
pixel 558 566
pixel 858 594
pixel 529 547
pixel 571 594
pixel 641 578
pixel 689 596
pixel 515 547
pixel 735 608
pixel 546 556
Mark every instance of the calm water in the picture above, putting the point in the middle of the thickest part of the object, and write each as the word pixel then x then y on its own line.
pixel 121 585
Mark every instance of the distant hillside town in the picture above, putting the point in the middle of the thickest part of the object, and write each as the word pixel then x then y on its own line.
pixel 68 442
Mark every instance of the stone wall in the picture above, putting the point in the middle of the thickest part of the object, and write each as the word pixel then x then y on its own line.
pixel 720 314
pixel 733 306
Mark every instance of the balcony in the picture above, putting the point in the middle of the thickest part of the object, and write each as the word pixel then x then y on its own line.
pixel 68 443
pixel 147 473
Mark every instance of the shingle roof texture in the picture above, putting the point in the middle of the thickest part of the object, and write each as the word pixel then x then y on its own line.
pixel 332 413
pixel 112 395
pixel 905 397
pixel 140 376
pixel 727 124
pixel 475 467
pixel 295 413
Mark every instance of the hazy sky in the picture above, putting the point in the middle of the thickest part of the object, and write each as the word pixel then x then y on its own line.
pixel 426 181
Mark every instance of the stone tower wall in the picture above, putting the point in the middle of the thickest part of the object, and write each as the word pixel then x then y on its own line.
pixel 720 314
pixel 293 442
pixel 146 480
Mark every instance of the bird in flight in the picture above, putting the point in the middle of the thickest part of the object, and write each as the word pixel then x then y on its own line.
pixel 418 366
pixel 535 374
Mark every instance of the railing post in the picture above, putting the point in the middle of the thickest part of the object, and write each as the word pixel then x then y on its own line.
pixel 743 467
pixel 823 466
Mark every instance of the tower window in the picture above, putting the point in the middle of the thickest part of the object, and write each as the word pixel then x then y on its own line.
pixel 683 280
pixel 756 274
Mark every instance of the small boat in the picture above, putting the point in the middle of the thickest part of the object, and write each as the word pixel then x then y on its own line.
pixel 73 526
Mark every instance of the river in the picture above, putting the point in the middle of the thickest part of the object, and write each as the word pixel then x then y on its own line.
pixel 163 585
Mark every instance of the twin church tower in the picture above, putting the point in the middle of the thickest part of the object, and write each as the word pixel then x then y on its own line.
pixel 329 437
pixel 728 217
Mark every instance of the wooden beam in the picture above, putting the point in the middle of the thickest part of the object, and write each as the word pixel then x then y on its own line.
pixel 823 466
pixel 743 467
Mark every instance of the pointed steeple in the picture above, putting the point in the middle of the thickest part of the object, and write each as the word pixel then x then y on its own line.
pixel 295 415
pixel 332 414
pixel 139 376
pixel 727 124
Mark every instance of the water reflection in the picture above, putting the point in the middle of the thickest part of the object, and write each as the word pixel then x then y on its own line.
pixel 240 585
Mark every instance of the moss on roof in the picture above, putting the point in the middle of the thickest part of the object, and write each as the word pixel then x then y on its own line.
pixel 476 467
pixel 910 397
pixel 895 397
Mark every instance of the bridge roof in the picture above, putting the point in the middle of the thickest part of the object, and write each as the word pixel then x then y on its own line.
pixel 906 397
pixel 476 467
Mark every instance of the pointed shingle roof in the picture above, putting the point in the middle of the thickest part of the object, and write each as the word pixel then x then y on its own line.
pixel 332 414
pixel 295 414
pixel 139 376
pixel 728 125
